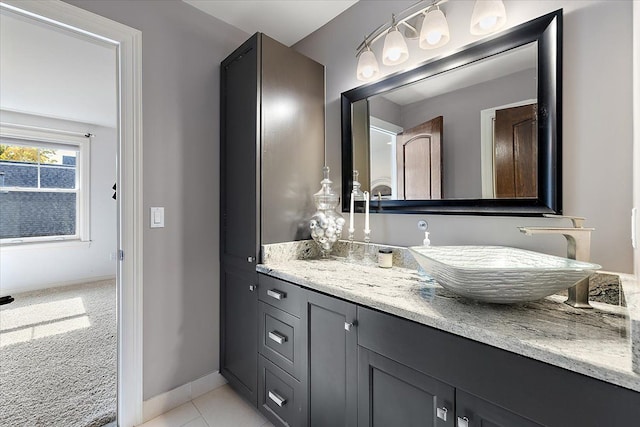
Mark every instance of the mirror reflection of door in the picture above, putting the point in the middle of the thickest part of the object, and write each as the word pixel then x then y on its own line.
pixel 516 153
pixel 419 157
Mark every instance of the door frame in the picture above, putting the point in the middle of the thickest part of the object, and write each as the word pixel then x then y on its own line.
pixel 128 44
pixel 635 212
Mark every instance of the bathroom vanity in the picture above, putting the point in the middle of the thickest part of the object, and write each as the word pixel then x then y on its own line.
pixel 349 344
pixel 330 343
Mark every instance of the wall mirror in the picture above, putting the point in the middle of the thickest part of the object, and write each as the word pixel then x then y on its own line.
pixel 474 132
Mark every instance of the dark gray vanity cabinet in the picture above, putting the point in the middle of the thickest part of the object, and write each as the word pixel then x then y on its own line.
pixel 333 361
pixel 476 412
pixel 283 358
pixel 271 158
pixel 308 366
pixel 390 393
pixel 493 387
pixel 358 366
pixel 239 232
pixel 240 332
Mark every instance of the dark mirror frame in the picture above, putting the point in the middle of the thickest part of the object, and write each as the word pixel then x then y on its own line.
pixel 547 31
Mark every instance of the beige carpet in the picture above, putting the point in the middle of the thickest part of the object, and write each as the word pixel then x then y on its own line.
pixel 58 357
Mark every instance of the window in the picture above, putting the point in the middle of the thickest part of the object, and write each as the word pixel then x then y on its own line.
pixel 44 186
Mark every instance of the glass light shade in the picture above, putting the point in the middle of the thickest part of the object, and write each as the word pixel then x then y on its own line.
pixel 488 16
pixel 367 66
pixel 435 30
pixel 395 49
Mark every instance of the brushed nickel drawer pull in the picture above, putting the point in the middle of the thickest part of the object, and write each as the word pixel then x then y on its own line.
pixel 277 399
pixel 442 413
pixel 276 294
pixel 279 338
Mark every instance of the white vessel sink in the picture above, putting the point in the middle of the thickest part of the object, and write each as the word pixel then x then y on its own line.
pixel 500 274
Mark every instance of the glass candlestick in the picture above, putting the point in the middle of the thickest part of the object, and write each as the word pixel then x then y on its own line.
pixel 326 224
pixel 358 194
pixel 368 255
pixel 351 255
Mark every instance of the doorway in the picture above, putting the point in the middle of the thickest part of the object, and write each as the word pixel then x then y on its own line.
pixel 127 44
pixel 58 225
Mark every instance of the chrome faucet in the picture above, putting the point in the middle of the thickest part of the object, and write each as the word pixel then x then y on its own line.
pixel 578 248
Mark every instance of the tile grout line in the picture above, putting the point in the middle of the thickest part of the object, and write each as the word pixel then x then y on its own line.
pixel 201 415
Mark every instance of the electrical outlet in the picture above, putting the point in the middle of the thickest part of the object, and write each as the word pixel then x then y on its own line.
pixel 113 256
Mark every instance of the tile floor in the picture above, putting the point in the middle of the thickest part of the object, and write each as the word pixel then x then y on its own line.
pixel 221 407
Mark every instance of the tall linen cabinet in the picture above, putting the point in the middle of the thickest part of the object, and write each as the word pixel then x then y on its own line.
pixel 272 153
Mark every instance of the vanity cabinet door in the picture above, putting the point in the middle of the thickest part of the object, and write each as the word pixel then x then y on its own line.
pixel 472 411
pixel 333 362
pixel 392 394
pixel 239 196
pixel 239 331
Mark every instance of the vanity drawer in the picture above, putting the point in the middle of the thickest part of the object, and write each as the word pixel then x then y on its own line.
pixel 281 398
pixel 282 339
pixel 281 294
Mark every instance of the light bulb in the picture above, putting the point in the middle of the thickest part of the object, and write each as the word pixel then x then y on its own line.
pixel 433 37
pixel 488 22
pixel 367 72
pixel 393 54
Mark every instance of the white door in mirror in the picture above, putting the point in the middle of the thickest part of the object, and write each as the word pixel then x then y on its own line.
pixel 156 218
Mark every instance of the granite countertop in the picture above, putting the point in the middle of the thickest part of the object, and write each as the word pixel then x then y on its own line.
pixel 591 342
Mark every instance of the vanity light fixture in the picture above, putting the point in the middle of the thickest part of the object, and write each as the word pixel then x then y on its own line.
pixel 423 20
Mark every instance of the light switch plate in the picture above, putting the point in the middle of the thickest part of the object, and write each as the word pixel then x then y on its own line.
pixel 156 217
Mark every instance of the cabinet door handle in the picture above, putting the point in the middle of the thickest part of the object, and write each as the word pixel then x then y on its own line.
pixel 252 288
pixel 463 422
pixel 279 338
pixel 276 294
pixel 251 259
pixel 348 326
pixel 442 413
pixel 277 399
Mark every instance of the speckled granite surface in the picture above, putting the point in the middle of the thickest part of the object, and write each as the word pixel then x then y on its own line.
pixel 591 342
pixel 308 249
pixel 632 296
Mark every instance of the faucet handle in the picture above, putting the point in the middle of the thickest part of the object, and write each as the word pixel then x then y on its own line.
pixel 578 221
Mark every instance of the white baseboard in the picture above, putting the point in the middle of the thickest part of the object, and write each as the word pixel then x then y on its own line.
pixel 164 402
pixel 41 286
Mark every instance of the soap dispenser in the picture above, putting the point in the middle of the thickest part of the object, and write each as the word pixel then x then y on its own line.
pixel 423 225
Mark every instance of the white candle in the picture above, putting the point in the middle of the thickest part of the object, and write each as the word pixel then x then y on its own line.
pixel 351 227
pixel 366 212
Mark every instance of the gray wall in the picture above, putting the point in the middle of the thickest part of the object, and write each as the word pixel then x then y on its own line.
pixel 461 165
pixel 383 109
pixel 597 121
pixel 181 53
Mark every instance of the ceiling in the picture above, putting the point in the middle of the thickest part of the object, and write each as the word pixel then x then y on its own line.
pixel 287 21
pixel 53 72
pixel 491 68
